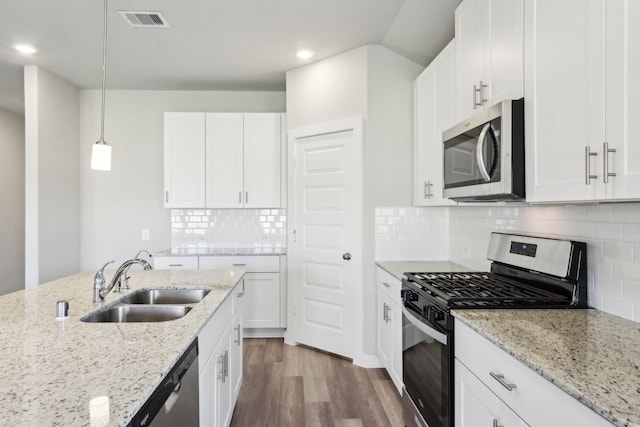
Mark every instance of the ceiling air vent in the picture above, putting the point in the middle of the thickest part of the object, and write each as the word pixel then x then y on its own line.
pixel 144 19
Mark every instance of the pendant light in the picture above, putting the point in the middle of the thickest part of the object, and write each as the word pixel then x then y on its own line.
pixel 101 151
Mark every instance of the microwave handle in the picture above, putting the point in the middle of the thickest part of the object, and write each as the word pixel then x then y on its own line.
pixel 482 139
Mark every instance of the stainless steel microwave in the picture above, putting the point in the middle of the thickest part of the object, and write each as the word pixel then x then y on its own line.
pixel 484 155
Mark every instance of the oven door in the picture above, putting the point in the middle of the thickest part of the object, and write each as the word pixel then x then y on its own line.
pixel 427 372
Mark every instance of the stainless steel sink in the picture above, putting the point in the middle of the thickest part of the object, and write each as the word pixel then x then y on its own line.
pixel 165 296
pixel 138 313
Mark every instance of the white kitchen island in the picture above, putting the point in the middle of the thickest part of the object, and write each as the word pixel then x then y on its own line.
pixel 54 369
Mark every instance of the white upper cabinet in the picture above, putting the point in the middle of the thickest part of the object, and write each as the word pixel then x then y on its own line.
pixel 224 147
pixel 580 94
pixel 434 112
pixel 489 53
pixel 184 163
pixel 223 160
pixel 243 160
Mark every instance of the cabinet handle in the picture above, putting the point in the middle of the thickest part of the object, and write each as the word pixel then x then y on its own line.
pixel 239 197
pixel 166 196
pixel 221 370
pixel 241 294
pixel 495 423
pixel 587 165
pixel 388 318
pixel 175 265
pixel 502 381
pixel 246 197
pixel 475 103
pixel 605 167
pixel 237 329
pixel 226 363
pixel 239 265
pixel 426 195
pixel 482 94
pixel 386 285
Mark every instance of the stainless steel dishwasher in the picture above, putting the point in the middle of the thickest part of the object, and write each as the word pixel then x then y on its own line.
pixel 175 401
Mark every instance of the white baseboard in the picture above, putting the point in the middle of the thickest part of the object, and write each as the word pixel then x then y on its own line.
pixel 264 332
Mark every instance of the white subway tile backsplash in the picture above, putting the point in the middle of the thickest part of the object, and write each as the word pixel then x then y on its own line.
pixel 224 228
pixel 461 234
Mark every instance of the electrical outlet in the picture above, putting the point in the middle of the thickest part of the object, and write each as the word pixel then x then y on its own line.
pixel 145 234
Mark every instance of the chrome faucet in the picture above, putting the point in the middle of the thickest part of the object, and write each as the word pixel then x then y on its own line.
pixel 123 283
pixel 100 291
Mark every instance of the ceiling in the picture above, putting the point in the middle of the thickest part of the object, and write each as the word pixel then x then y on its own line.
pixel 210 44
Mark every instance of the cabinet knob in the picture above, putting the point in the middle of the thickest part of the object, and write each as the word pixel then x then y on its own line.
pixel 346 256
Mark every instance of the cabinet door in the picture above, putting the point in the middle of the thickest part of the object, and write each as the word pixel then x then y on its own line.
pixel 236 352
pixel 434 112
pixel 224 160
pixel 223 388
pixel 262 300
pixel 623 98
pixel 384 330
pixel 207 392
pixel 262 160
pixel 564 99
pixel 184 163
pixel 472 27
pixel 476 405
pixel 506 51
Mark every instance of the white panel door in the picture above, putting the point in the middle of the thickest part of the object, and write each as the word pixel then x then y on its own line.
pixel 224 154
pixel 184 164
pixel 327 248
pixel 262 160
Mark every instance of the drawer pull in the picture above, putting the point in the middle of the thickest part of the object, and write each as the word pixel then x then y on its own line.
pixel 495 423
pixel 176 265
pixel 502 381
pixel 239 265
pixel 386 285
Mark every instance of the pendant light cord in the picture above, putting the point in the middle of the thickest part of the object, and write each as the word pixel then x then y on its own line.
pixel 104 70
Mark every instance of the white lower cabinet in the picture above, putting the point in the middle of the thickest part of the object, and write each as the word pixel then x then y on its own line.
pixel 477 406
pixel 493 388
pixel 263 295
pixel 219 352
pixel 389 325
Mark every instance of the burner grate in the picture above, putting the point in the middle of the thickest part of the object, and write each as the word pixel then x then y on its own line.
pixel 484 290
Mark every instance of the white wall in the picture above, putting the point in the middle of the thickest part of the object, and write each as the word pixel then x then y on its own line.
pixel 12 202
pixel 52 214
pixel 116 205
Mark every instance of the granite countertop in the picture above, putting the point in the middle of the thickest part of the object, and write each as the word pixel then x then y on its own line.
pixel 227 251
pixel 398 268
pixel 54 371
pixel 592 355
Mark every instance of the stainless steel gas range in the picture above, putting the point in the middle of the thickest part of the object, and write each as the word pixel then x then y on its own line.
pixel 526 272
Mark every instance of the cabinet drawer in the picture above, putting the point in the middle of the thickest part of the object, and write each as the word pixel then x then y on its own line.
pixel 250 263
pixel 176 262
pixel 388 283
pixel 536 400
pixel 210 334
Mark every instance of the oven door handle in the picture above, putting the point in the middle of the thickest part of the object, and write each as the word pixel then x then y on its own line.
pixel 427 330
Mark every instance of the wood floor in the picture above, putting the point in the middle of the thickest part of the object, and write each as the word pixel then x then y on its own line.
pixel 295 386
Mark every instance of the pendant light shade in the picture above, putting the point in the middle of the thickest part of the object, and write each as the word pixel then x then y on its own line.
pixel 101 151
pixel 101 156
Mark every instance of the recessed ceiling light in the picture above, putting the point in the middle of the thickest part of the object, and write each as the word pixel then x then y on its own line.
pixel 25 48
pixel 304 54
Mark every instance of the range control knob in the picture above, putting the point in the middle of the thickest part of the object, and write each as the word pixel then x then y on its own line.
pixel 432 314
pixel 408 296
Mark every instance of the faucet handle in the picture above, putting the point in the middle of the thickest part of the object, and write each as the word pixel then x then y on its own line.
pixel 98 279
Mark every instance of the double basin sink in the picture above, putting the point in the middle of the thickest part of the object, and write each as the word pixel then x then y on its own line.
pixel 149 305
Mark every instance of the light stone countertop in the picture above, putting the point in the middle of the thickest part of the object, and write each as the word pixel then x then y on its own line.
pixel 52 369
pixel 227 251
pixel 397 268
pixel 592 355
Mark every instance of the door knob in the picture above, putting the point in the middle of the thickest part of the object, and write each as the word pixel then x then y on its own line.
pixel 346 256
